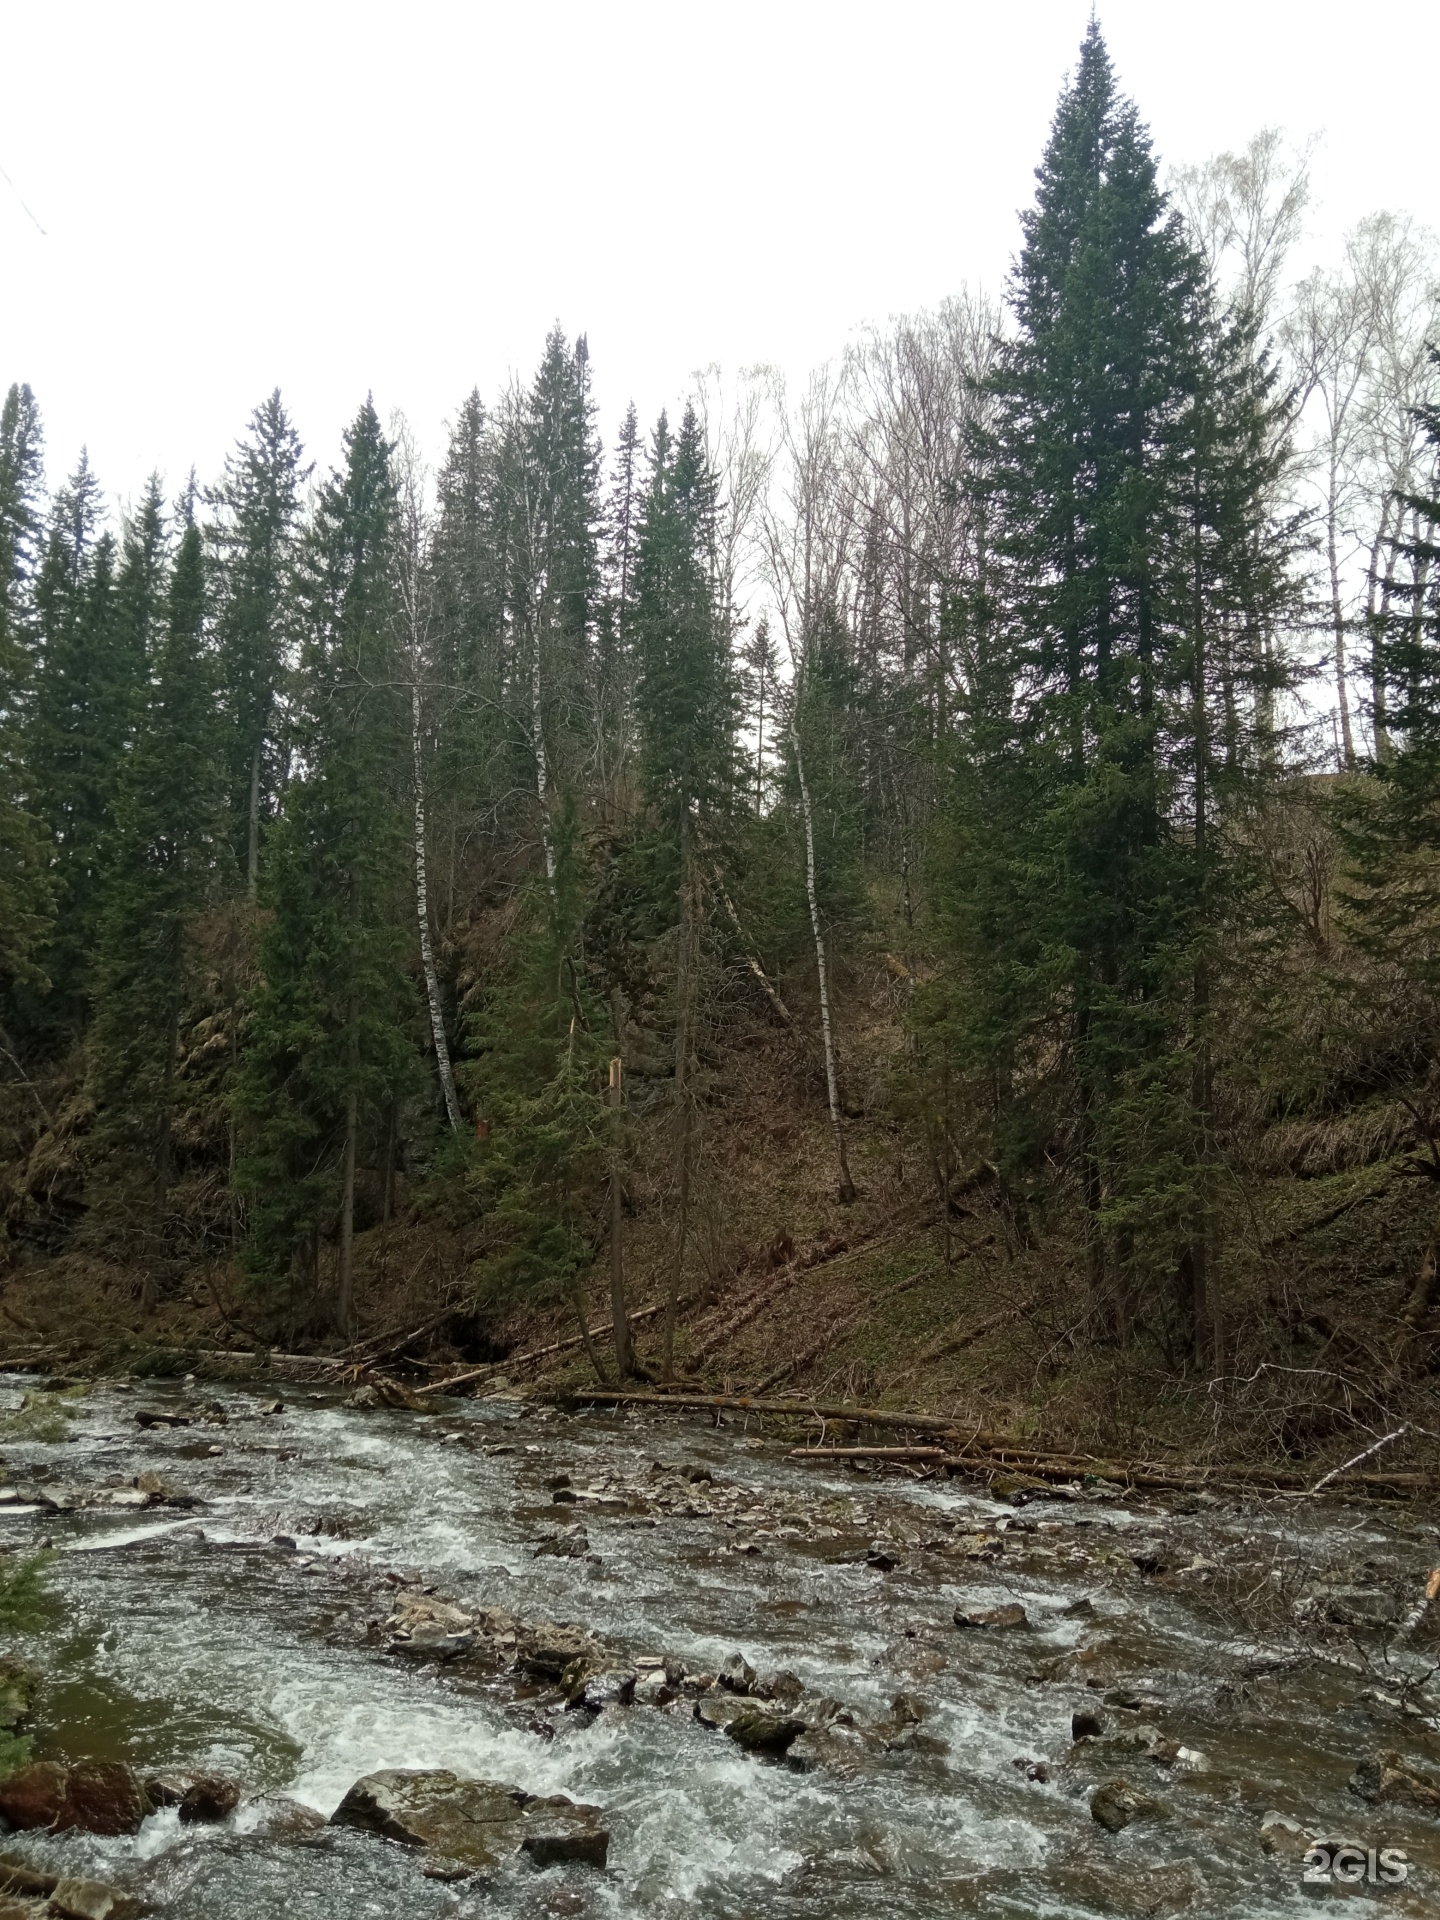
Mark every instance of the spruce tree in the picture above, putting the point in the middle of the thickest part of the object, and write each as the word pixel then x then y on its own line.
pixel 1128 484
pixel 253 540
pixel 162 872
pixel 79 726
pixel 686 692
pixel 139 617
pixel 25 895
pixel 686 704
pixel 331 1047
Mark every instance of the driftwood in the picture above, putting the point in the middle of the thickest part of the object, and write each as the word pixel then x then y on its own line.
pixel 598 1331
pixel 916 1454
pixel 976 1451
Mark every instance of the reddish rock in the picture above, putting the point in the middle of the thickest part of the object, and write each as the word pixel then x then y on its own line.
pixel 103 1797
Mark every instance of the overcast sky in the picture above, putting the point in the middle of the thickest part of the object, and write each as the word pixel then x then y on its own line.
pixel 334 198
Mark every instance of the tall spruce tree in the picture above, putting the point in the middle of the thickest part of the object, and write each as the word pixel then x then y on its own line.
pixel 139 618
pixel 686 703
pixel 79 727
pixel 1128 496
pixel 161 872
pixel 25 898
pixel 332 1046
pixel 253 539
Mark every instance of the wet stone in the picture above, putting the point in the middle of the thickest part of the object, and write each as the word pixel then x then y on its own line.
pixel 737 1675
pixel 100 1797
pixel 757 1731
pixel 93 1900
pixel 1115 1804
pixel 201 1798
pixel 475 1824
pixel 277 1817
pixel 992 1619
pixel 1386 1779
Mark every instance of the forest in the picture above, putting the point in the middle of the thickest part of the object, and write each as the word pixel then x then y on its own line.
pixel 974 817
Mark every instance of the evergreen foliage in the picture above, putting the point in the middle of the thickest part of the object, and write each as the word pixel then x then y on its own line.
pixel 25 894
pixel 163 868
pixel 332 1046
pixel 253 542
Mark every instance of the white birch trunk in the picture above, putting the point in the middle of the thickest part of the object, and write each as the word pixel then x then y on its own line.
pixel 422 909
pixel 832 1078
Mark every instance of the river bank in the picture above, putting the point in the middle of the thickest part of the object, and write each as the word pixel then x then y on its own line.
pixel 288 1627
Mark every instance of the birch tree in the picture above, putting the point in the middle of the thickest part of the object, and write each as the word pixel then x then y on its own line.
pixel 413 581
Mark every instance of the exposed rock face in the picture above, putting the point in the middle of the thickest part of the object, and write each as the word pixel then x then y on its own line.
pixel 1115 1804
pixel 104 1797
pixel 474 1824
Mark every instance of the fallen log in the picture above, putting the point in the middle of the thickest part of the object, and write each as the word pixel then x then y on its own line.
pixel 994 1453
pixel 796 1408
pixel 868 1453
pixel 597 1332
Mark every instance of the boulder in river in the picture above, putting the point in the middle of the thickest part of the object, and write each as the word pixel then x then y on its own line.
pixel 105 1797
pixel 201 1797
pixel 1115 1803
pixel 779 1684
pixel 547 1647
pixel 993 1619
pixel 756 1731
pixel 608 1687
pixel 1281 1835
pixel 716 1710
pixel 737 1675
pixel 92 1900
pixel 476 1824
pixel 1386 1779
pixel 278 1817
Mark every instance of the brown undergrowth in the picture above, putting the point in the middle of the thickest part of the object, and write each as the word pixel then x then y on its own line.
pixel 897 1299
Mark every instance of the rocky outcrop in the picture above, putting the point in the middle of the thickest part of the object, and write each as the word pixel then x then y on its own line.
pixel 474 1825
pixel 100 1797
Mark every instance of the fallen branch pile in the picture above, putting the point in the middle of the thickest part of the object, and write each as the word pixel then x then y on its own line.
pixel 973 1450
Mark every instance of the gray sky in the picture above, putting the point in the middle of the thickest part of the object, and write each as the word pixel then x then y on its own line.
pixel 334 198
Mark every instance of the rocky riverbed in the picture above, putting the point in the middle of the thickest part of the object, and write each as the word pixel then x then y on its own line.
pixel 501 1660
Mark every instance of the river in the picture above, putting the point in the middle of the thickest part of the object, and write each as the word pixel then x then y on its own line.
pixel 248 1633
